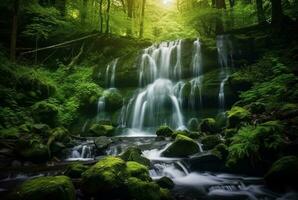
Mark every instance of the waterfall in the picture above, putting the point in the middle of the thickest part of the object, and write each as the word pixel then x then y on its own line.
pixel 225 60
pixel 197 59
pixel 110 73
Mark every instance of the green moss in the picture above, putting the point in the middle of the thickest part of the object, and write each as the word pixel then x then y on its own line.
pixel 208 125
pixel 180 132
pixel 237 115
pixel 221 151
pixel 97 130
pixel 182 146
pixel 114 99
pixel 257 107
pixel 137 170
pixel 106 176
pixel 45 112
pixel 47 188
pixel 10 133
pixel 210 141
pixel 164 131
pixel 75 170
pixel 135 154
pixel 165 182
pixel 283 174
pixel 165 194
pixel 141 190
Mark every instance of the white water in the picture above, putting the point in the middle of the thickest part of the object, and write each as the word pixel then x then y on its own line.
pixel 81 152
pixel 110 73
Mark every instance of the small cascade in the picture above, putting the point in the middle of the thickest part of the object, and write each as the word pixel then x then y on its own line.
pixel 101 104
pixel 178 91
pixel 110 73
pixel 83 130
pixel 197 59
pixel 81 152
pixel 195 96
pixel 225 60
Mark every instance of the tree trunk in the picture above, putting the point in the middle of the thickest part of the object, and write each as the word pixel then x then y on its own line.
pixel 100 16
pixel 277 14
pixel 219 27
pixel 108 17
pixel 142 19
pixel 14 30
pixel 129 15
pixel 232 3
pixel 84 12
pixel 219 4
pixel 260 11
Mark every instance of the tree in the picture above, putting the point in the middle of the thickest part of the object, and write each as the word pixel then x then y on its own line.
pixel 142 19
pixel 260 11
pixel 100 16
pixel 14 29
pixel 108 16
pixel 276 15
pixel 84 12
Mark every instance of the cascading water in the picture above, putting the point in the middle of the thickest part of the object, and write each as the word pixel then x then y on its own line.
pixel 82 151
pixel 110 73
pixel 225 60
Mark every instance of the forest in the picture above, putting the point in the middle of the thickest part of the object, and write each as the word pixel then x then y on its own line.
pixel 149 99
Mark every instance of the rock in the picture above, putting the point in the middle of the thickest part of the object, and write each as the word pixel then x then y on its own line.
pixel 193 124
pixel 283 174
pixel 221 151
pixel 208 125
pixel 164 131
pixel 75 170
pixel 238 82
pixel 182 146
pixel 102 143
pixel 165 194
pixel 142 190
pixel 105 179
pixel 138 170
pixel 165 182
pixel 180 132
pixel 237 115
pixel 45 112
pixel 97 130
pixel 58 139
pixel 210 141
pixel 33 150
pixel 207 161
pixel 113 100
pixel 46 188
pixel 135 154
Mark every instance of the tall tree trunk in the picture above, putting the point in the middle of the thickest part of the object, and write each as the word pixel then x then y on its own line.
pixel 108 17
pixel 142 19
pixel 14 30
pixel 100 16
pixel 260 11
pixel 129 15
pixel 219 4
pixel 219 27
pixel 84 12
pixel 276 15
pixel 232 3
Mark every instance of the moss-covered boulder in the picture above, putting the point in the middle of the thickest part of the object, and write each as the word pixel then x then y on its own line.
pixel 193 124
pixel 97 130
pixel 32 149
pixel 105 178
pixel 46 188
pixel 237 115
pixel 113 99
pixel 165 182
pixel 138 170
pixel 135 154
pixel 283 174
pixel 58 139
pixel 210 141
pixel 75 170
pixel 142 190
pixel 102 143
pixel 182 146
pixel 221 151
pixel 45 112
pixel 208 125
pixel 164 131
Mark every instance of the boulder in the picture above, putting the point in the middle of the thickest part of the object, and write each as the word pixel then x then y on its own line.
pixel 283 174
pixel 165 182
pixel 181 147
pixel 75 170
pixel 113 100
pixel 237 115
pixel 138 170
pixel 102 143
pixel 208 125
pixel 207 161
pixel 97 130
pixel 193 124
pixel 46 188
pixel 135 154
pixel 106 178
pixel 210 141
pixel 164 131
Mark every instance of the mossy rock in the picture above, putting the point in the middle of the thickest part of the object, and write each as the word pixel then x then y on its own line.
pixel 45 112
pixel 210 141
pixel 113 100
pixel 46 188
pixel 9 133
pixel 221 151
pixel 102 143
pixel 135 154
pixel 164 131
pixel 193 124
pixel 97 130
pixel 181 147
pixel 165 194
pixel 32 149
pixel 180 132
pixel 105 178
pixel 283 174
pixel 138 170
pixel 75 170
pixel 142 190
pixel 208 125
pixel 165 182
pixel 237 115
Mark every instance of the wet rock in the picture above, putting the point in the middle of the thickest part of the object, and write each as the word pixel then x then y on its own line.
pixel 283 174
pixel 207 162
pixel 210 141
pixel 75 170
pixel 97 130
pixel 165 182
pixel 138 170
pixel 182 146
pixel 52 187
pixel 135 154
pixel 164 131
pixel 102 143
pixel 208 125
